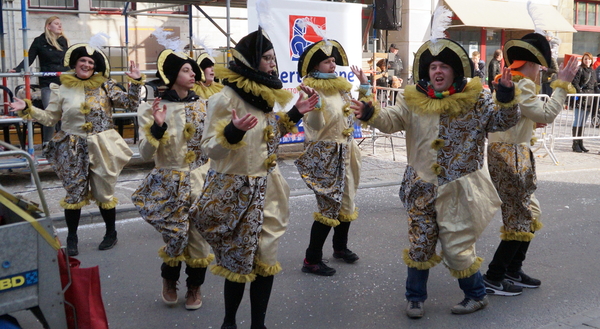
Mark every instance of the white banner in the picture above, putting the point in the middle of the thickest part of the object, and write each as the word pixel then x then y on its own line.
pixel 340 21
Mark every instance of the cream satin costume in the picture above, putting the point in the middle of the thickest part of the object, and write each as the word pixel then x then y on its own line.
pixel 446 189
pixel 88 154
pixel 330 164
pixel 511 162
pixel 243 210
pixel 164 197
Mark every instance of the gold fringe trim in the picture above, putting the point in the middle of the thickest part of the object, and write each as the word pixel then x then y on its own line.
pixel 231 276
pixel 84 108
pixel 453 105
pixel 348 218
pixel 287 123
pixel 270 95
pixel 199 262
pixel 71 81
pixel 328 85
pixel 325 220
pixel 271 161
pixel 536 225
pixel 190 157
pixel 150 138
pixel 74 206
pixel 469 271
pixel 108 205
pixel 264 269
pixel 188 131
pixel 437 144
pixel 206 91
pixel 377 109
pixel 25 114
pixel 171 261
pixel 566 85
pixel 268 133
pixel 433 261
pixel 222 140
pixel 515 236
pixel 140 82
pixel 512 103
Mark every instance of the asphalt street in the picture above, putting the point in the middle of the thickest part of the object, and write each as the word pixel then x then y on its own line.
pixel 369 293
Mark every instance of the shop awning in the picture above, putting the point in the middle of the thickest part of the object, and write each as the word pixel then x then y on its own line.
pixel 507 15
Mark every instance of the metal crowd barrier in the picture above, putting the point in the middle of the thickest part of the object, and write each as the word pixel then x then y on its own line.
pixel 561 128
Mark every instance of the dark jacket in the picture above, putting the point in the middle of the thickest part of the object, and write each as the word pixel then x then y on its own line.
pixel 494 68
pixel 585 82
pixel 50 59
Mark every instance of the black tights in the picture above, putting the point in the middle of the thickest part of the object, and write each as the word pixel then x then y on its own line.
pixel 318 235
pixel 260 292
pixel 72 217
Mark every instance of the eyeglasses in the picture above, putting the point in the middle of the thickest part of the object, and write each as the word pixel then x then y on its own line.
pixel 269 59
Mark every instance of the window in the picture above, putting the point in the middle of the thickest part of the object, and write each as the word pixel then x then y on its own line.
pixel 54 4
pixel 585 16
pixel 110 6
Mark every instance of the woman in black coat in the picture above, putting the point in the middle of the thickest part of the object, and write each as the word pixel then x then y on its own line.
pixel 585 83
pixel 49 48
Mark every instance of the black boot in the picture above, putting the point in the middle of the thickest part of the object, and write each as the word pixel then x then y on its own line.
pixel 110 238
pixel 579 134
pixel 72 218
pixel 576 145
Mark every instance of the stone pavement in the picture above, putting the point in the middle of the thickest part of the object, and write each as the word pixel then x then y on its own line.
pixel 378 169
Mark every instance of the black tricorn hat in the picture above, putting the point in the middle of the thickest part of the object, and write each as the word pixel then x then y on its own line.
pixel 318 52
pixel 533 47
pixel 76 51
pixel 248 51
pixel 446 51
pixel 169 63
pixel 205 60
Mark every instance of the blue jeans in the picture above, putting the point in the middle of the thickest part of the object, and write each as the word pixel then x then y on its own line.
pixel 580 115
pixel 416 285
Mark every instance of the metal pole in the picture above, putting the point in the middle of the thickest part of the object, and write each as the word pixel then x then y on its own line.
pixel 126 31
pixel 4 80
pixel 26 71
pixel 228 32
pixel 190 27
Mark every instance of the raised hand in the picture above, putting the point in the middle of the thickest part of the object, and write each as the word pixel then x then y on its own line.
pixel 568 71
pixel 358 108
pixel 506 78
pixel 306 105
pixel 158 113
pixel 362 77
pixel 244 123
pixel 134 71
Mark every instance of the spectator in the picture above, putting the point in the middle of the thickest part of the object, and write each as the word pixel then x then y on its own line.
pixel 479 66
pixel 597 62
pixel 395 63
pixel 585 83
pixel 494 68
pixel 49 48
